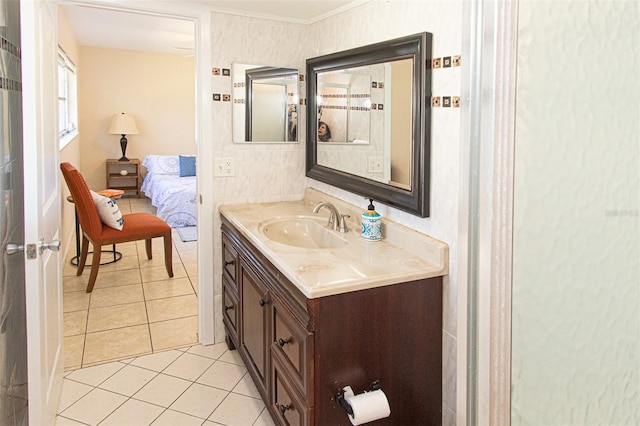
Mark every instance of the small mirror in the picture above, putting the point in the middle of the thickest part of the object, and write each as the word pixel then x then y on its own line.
pixel 265 104
pixel 371 134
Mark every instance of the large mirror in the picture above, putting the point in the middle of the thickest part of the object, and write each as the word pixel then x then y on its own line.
pixel 369 121
pixel 265 104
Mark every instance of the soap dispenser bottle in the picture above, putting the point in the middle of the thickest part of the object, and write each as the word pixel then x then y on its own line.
pixel 371 223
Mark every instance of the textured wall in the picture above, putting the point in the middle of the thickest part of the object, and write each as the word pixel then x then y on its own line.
pixel 263 172
pixel 277 172
pixel 576 322
pixel 385 21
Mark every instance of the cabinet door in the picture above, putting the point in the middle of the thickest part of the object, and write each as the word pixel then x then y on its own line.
pixel 254 335
pixel 288 406
pixel 294 345
pixel 230 313
pixel 229 260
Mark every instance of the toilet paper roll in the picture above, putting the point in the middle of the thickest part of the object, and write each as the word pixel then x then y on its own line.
pixel 368 406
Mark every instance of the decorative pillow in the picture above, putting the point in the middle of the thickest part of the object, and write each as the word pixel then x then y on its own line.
pixel 109 211
pixel 162 164
pixel 187 165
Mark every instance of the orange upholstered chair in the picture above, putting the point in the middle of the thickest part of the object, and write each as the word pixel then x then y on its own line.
pixel 137 226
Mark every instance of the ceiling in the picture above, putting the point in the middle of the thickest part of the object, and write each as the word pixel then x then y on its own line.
pixel 301 11
pixel 99 27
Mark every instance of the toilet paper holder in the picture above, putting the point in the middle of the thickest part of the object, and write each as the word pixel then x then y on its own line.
pixel 345 404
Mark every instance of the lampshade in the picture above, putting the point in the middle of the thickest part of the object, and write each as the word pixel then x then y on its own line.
pixel 123 124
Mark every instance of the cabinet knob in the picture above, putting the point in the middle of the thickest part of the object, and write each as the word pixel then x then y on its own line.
pixel 282 342
pixel 262 302
pixel 228 308
pixel 283 408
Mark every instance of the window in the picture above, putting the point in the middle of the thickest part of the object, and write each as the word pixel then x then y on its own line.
pixel 67 98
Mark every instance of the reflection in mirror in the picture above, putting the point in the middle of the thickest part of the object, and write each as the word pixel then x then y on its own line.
pixel 344 104
pixel 348 109
pixel 265 104
pixel 374 100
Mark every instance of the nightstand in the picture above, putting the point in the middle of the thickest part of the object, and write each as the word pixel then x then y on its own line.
pixel 124 175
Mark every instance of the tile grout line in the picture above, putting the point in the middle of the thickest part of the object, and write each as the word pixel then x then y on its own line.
pixel 94 389
pixel 144 298
pixel 84 337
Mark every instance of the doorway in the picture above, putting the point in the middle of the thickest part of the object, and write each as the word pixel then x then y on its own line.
pixel 205 317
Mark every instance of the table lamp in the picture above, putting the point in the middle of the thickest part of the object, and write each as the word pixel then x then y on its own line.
pixel 123 124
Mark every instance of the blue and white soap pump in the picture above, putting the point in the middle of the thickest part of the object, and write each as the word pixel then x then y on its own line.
pixel 371 223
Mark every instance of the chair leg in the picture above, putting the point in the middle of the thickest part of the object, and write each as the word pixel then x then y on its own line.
pixel 95 265
pixel 147 246
pixel 83 255
pixel 168 253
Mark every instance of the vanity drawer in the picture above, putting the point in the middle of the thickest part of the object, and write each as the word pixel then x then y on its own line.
pixel 229 307
pixel 287 404
pixel 293 345
pixel 229 260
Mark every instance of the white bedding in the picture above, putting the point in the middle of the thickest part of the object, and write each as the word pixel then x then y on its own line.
pixel 173 196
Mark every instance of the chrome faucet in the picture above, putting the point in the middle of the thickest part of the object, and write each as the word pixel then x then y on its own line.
pixel 336 220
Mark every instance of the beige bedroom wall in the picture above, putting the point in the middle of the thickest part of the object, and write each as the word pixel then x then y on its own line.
pixel 71 151
pixel 158 89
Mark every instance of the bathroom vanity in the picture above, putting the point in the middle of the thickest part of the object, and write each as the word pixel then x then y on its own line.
pixel 309 321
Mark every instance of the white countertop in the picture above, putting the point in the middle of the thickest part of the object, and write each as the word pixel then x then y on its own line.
pixel 402 255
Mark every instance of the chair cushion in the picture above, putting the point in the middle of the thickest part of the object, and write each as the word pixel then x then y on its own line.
pixel 137 226
pixel 187 165
pixel 109 211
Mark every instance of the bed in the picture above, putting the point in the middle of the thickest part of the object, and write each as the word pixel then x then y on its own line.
pixel 170 183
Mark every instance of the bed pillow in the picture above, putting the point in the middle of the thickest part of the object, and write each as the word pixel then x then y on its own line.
pixel 109 211
pixel 187 165
pixel 162 164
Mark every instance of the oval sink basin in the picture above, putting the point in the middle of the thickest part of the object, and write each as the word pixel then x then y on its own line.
pixel 301 231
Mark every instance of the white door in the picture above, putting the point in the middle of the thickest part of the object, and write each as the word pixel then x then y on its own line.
pixel 41 208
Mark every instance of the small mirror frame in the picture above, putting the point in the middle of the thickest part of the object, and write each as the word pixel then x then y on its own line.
pixel 417 47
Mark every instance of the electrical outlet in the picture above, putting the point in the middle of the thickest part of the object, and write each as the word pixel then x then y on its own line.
pixel 375 165
pixel 224 167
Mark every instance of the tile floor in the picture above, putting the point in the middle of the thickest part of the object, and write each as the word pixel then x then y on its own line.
pixel 197 385
pixel 131 352
pixel 135 308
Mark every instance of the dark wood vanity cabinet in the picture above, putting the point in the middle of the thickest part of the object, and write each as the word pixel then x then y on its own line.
pixel 301 352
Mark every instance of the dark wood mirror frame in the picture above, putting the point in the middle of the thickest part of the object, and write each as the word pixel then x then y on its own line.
pixel 418 48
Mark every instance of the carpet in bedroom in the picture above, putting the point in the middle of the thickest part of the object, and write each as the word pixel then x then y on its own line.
pixel 188 233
